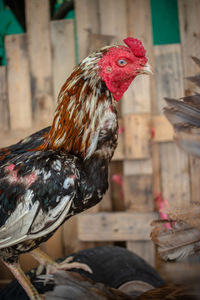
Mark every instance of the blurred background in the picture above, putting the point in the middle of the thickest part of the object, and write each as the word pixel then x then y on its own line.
pixel 40 43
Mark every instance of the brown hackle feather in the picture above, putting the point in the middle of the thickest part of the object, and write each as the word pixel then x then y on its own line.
pixel 77 118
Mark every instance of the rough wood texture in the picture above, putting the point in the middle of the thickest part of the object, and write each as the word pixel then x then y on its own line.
pixel 138 180
pixel 11 137
pixel 39 48
pixel 122 226
pixel 138 192
pixel 195 178
pixel 174 175
pixel 109 22
pixel 19 94
pixel 168 73
pixel 138 96
pixel 189 12
pixel 137 136
pixel 116 186
pixel 142 95
pixel 4 118
pixel 63 52
pixel 87 18
pixel 174 162
pixel 97 41
pixel 137 167
pixel 163 130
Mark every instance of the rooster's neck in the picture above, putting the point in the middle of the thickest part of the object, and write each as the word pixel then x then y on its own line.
pixel 85 108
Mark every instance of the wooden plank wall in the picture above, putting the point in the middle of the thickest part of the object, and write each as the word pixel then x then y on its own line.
pixel 190 44
pixel 147 164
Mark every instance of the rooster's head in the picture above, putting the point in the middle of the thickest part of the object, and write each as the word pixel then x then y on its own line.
pixel 86 107
pixel 119 65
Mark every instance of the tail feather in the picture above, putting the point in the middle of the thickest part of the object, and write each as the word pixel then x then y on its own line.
pixel 196 60
pixel 184 115
pixel 193 99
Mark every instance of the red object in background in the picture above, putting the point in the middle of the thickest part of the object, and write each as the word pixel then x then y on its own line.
pixel 161 205
pixel 119 180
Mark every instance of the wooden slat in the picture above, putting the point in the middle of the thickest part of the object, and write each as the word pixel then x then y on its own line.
pixel 175 175
pixel 71 242
pixel 87 19
pixel 168 73
pixel 123 226
pixel 142 95
pixel 163 130
pixel 138 192
pixel 138 178
pixel 63 52
pixel 97 41
pixel 117 194
pixel 189 12
pixel 137 136
pixel 138 96
pixel 39 48
pixel 4 121
pixel 174 162
pixel 11 137
pixel 195 178
pixel 138 167
pixel 19 95
pixel 109 23
pixel 138 91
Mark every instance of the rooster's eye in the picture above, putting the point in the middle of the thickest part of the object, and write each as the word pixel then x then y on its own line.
pixel 121 62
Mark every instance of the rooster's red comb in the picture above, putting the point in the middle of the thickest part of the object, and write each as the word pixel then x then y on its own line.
pixel 136 46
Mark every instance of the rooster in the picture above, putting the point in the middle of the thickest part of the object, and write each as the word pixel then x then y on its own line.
pixel 62 170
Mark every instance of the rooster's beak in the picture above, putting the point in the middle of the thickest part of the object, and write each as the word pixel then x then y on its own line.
pixel 146 70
